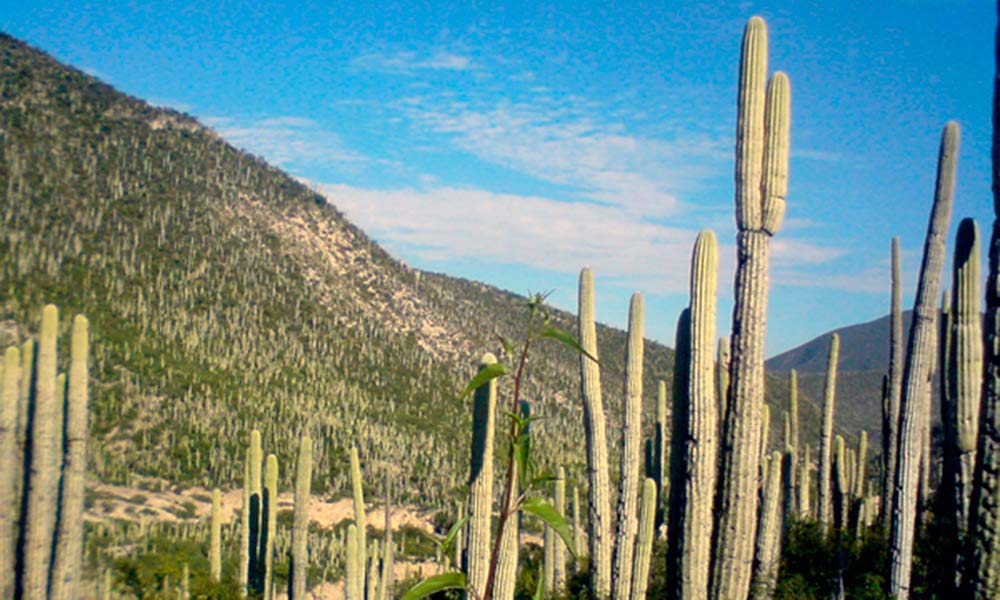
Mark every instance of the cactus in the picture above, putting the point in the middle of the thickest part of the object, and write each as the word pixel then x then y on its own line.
pixel 481 482
pixel 597 446
pixel 644 541
pixel 722 378
pixel 359 520
pixel 215 538
pixel 840 485
pixel 43 479
pixel 300 521
pixel 251 521
pixel 10 468
pixel 628 496
pixel 269 516
pixel 890 439
pixel 352 567
pixel 965 376
pixel 559 550
pixel 793 406
pixel 861 466
pixel 578 534
pixel 826 434
pixel 768 549
pixel 388 558
pixel 789 464
pixel 700 422
pixel 761 184
pixel 914 405
pixel 661 461
pixel 506 570
pixel 805 484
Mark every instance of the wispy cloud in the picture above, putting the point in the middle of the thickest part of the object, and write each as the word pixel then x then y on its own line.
pixel 409 62
pixel 286 141
pixel 562 141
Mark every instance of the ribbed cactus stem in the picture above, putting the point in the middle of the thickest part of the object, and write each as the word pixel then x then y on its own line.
pixel 761 182
pixel 628 496
pixel 360 519
pixel 914 406
pixel 578 535
pixel 765 434
pixel 506 576
pixel 352 569
pixel 805 484
pixel 768 548
pixel 300 520
pixel 841 487
pixel 215 537
pixel 826 434
pixel 789 467
pixel 644 541
pixel 595 430
pixel 701 425
pixel 269 516
pixel 481 481
pixel 388 550
pixel 10 468
pixel 252 519
pixel 46 455
pixel 722 378
pixel 966 368
pixel 662 448
pixel 894 389
pixel 860 472
pixel 793 406
pixel 559 550
pixel 66 567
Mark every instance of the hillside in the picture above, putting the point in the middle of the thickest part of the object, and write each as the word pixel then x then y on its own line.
pixel 226 296
pixel 863 347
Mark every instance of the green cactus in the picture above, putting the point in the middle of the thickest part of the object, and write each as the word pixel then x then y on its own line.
pixel 840 499
pixel 388 551
pixel 793 407
pixel 700 420
pixel 826 435
pixel 761 185
pixel 360 520
pixel 352 566
pixel 661 461
pixel 46 450
pixel 805 484
pixel 506 570
pixel 894 387
pixel 595 430
pixel 768 546
pixel 269 516
pixel 10 468
pixel 481 482
pixel 628 496
pixel 789 467
pixel 559 550
pixel 915 401
pixel 644 540
pixel 215 537
pixel 250 517
pixel 300 521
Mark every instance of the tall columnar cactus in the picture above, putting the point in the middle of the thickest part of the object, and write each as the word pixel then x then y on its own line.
pixel 46 450
pixel 352 568
pixel 914 405
pixel 559 550
pixel 805 484
pixel 840 484
pixel 661 470
pixel 982 574
pixel 597 445
pixel 793 407
pixel 300 521
pixel 506 576
pixel 65 579
pixel 360 520
pixel 10 468
pixel 215 537
pixel 269 516
pixel 768 550
pixel 789 468
pixel 722 378
pixel 965 373
pixel 894 390
pixel 860 471
pixel 826 433
pixel 250 519
pixel 761 185
pixel 628 496
pixel 700 421
pixel 644 541
pixel 481 482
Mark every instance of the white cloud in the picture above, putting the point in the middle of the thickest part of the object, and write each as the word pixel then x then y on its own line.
pixel 408 62
pixel 286 141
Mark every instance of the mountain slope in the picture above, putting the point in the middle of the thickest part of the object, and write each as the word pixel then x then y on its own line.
pixel 863 347
pixel 225 296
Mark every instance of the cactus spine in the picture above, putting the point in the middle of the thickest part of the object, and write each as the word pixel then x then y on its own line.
pixel 628 497
pixel 10 467
pixel 300 521
pixel 481 482
pixel 761 185
pixel 597 446
pixel 914 405
pixel 700 421
pixel 215 538
pixel 644 541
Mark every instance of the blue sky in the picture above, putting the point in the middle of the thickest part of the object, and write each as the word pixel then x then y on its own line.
pixel 515 143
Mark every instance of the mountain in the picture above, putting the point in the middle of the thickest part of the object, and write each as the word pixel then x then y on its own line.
pixel 224 296
pixel 863 347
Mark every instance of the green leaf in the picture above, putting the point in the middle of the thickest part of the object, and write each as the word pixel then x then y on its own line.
pixel 484 376
pixel 561 336
pixel 447 544
pixel 508 348
pixel 548 513
pixel 436 583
